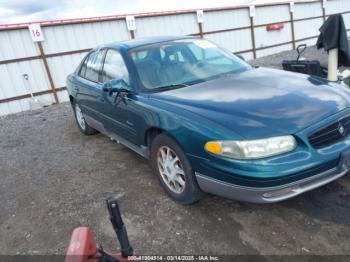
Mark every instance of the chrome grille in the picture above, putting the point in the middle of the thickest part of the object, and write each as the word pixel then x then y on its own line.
pixel 330 134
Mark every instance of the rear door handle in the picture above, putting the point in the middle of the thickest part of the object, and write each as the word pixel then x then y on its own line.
pixel 76 88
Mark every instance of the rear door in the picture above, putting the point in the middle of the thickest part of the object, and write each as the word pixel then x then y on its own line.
pixel 89 89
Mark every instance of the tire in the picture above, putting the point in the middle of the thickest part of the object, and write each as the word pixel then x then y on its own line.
pixel 80 120
pixel 172 176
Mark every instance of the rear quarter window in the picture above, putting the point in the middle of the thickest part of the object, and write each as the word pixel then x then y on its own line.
pixel 92 65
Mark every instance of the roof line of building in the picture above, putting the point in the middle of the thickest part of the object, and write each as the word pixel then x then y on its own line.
pixel 148 14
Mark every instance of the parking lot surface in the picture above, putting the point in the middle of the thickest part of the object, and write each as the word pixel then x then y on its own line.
pixel 54 179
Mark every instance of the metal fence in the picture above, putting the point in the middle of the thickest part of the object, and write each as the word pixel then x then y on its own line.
pixel 242 30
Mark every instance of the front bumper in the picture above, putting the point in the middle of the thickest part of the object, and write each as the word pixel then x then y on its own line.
pixel 267 194
pixel 276 178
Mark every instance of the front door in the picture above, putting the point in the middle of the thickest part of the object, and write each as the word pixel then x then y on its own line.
pixel 117 106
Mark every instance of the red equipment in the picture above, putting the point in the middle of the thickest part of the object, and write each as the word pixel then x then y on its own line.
pixel 82 246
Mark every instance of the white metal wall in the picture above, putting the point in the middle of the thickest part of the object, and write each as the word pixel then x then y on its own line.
pixel 263 38
pixel 18 44
pixel 233 40
pixel 334 7
pixel 180 24
pixel 230 28
pixel 64 38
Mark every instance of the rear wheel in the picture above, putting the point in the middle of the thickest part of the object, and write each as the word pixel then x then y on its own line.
pixel 174 170
pixel 81 122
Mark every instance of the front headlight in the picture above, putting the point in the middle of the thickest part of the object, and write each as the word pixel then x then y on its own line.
pixel 252 149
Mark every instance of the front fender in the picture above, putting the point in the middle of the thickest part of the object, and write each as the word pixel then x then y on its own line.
pixel 190 130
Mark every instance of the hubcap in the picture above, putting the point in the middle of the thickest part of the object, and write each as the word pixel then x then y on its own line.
pixel 80 117
pixel 171 170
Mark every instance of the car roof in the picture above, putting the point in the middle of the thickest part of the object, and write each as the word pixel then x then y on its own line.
pixel 128 44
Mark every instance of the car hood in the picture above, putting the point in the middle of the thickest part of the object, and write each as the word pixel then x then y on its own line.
pixel 261 102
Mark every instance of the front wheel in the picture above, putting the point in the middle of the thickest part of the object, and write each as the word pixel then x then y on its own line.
pixel 174 170
pixel 81 122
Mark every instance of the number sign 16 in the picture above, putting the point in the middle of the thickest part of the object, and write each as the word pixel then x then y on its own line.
pixel 36 33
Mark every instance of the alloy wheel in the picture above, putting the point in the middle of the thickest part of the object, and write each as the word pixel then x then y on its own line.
pixel 80 117
pixel 171 169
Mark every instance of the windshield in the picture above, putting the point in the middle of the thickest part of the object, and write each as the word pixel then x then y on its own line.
pixel 183 62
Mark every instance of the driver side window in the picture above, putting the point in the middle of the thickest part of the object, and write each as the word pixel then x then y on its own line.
pixel 114 67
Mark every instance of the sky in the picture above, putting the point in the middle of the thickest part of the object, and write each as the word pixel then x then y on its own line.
pixel 21 11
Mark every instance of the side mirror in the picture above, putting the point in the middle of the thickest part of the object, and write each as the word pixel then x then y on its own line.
pixel 116 85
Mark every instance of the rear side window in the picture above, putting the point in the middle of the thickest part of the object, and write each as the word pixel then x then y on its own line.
pixel 92 65
pixel 114 67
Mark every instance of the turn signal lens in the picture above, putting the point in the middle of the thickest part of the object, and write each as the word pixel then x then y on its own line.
pixel 213 147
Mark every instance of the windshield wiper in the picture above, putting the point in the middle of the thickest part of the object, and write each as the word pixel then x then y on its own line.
pixel 172 86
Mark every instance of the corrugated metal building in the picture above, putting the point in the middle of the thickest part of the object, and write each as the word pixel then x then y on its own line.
pixel 240 29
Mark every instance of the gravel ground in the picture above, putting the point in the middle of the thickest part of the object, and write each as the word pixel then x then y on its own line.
pixel 311 53
pixel 275 60
pixel 54 179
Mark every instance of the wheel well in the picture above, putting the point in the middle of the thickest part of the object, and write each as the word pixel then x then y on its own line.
pixel 151 134
pixel 155 131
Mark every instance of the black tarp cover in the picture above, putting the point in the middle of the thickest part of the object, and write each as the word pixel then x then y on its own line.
pixel 333 35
